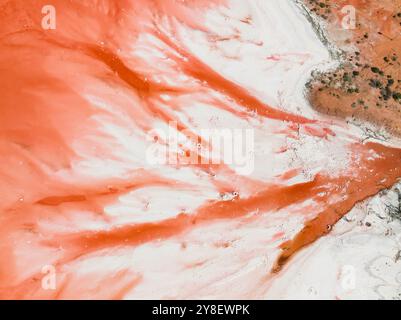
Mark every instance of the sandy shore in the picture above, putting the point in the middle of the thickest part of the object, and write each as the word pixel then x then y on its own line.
pixel 367 84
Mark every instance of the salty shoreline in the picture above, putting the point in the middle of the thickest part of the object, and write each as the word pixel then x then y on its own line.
pixel 81 198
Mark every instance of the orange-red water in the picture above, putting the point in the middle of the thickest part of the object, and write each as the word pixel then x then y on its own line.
pixel 46 208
